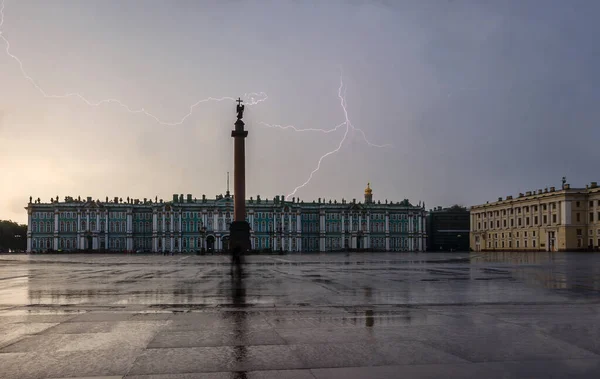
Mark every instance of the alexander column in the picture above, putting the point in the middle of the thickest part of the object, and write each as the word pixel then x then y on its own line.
pixel 239 231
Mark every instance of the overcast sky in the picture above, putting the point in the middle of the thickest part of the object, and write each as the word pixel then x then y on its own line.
pixel 479 99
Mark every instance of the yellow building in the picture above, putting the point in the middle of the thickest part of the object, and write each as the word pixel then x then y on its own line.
pixel 567 219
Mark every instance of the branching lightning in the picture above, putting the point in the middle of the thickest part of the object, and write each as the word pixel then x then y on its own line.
pixel 348 125
pixel 253 98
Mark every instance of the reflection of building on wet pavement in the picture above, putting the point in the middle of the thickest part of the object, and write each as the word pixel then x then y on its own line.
pixel 192 225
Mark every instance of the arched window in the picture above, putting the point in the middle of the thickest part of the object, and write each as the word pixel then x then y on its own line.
pixel 83 225
pixel 62 226
pixel 147 226
pixel 184 225
pixel 61 243
pixel 68 244
pixel 93 225
pixel 123 229
pixel 118 243
pixel 102 226
pixel 34 227
pixel 48 227
pixel 74 226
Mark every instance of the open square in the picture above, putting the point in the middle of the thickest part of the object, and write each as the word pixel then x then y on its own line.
pixel 383 315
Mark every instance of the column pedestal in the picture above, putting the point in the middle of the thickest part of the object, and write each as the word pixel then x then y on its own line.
pixel 239 235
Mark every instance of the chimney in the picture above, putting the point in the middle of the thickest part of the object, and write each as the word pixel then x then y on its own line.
pixel 509 197
pixel 500 199
pixel 539 192
pixel 116 199
pixel 567 186
pixel 528 193
pixel 189 197
pixel 546 190
pixel 521 195
pixel 552 189
pixel 593 184
pixel 175 198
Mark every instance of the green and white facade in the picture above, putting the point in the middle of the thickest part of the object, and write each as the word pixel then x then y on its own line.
pixel 189 225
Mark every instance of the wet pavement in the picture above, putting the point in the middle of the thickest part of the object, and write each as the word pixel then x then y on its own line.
pixel 301 316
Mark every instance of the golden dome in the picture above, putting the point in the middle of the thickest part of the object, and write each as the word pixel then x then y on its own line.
pixel 368 190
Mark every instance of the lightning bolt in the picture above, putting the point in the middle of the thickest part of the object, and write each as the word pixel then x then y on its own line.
pixel 254 97
pixel 348 125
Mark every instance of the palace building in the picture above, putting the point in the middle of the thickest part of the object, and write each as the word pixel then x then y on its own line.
pixel 191 225
pixel 547 220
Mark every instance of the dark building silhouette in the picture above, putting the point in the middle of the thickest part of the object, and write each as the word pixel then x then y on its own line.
pixel 448 229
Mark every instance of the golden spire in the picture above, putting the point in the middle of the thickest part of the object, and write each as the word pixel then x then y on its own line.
pixel 368 190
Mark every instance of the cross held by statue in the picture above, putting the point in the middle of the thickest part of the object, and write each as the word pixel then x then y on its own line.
pixel 239 101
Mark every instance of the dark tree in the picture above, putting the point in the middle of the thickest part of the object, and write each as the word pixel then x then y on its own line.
pixel 12 235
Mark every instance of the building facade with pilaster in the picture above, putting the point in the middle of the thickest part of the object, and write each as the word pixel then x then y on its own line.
pixel 566 219
pixel 191 225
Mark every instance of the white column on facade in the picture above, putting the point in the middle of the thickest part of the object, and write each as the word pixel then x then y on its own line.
pixel 29 231
pixel 163 231
pixel 387 231
pixel 299 232
pixel 106 230
pixel 282 235
pixel 368 238
pixel 154 232
pixel 180 230
pixel 78 230
pixel 55 232
pixel 343 243
pixel 423 230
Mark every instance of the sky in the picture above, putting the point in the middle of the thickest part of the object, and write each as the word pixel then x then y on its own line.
pixel 478 99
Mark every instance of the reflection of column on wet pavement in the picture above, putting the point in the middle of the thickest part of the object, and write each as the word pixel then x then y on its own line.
pixel 238 300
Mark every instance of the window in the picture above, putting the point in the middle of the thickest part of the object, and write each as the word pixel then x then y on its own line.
pixel 512 222
pixel 577 203
pixel 554 219
pixel 535 220
pixel 544 207
pixel 578 216
pixel 591 203
pixel 527 221
pixel 545 219
pixel 579 232
pixel 591 216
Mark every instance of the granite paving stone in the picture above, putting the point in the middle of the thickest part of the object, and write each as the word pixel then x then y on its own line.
pixel 356 315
